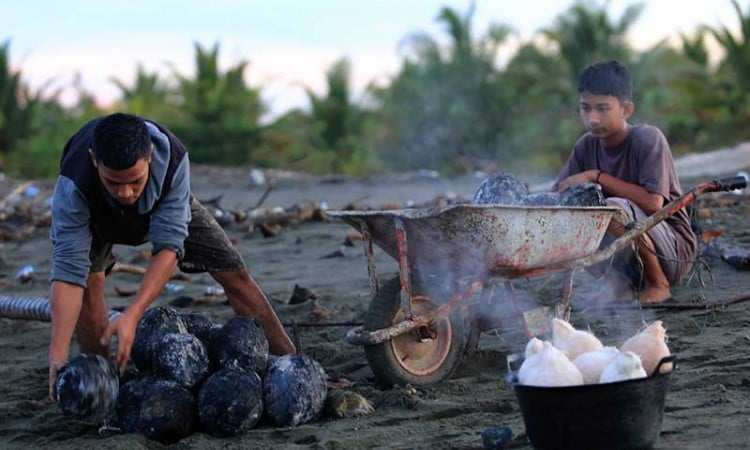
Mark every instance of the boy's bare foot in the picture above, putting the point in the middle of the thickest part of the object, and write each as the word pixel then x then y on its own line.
pixel 654 294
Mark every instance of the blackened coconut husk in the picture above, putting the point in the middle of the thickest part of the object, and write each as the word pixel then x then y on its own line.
pixel 87 387
pixel 230 401
pixel 167 413
pixel 200 325
pixel 154 324
pixel 294 390
pixel 541 199
pixel 181 357
pixel 240 343
pixel 583 194
pixel 500 189
pixel 129 401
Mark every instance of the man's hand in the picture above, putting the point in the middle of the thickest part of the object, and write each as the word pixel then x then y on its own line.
pixel 124 327
pixel 54 367
pixel 583 177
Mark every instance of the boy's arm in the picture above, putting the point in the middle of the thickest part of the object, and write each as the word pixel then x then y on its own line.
pixel 647 201
pixel 654 163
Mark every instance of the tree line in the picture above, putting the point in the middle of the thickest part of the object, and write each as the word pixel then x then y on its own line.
pixel 448 107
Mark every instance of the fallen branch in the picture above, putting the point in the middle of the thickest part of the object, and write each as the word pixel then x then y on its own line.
pixel 262 198
pixel 138 270
pixel 685 305
pixel 14 193
pixel 668 305
pixel 322 324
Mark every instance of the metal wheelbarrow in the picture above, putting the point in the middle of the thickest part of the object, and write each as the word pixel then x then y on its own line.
pixel 450 259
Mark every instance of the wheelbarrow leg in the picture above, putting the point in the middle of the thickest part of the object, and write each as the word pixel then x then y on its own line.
pixel 404 272
pixel 479 322
pixel 567 294
pixel 370 257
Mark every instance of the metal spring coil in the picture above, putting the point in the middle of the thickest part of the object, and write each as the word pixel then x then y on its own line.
pixel 32 308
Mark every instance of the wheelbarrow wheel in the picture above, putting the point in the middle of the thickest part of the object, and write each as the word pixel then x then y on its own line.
pixel 411 358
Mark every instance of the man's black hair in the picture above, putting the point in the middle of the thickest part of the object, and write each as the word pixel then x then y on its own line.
pixel 607 78
pixel 120 140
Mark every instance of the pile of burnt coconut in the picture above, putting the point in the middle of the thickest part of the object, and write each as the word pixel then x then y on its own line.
pixel 193 374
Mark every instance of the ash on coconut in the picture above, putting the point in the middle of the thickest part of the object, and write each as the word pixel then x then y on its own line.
pixel 583 194
pixel 87 387
pixel 167 413
pixel 128 408
pixel 294 390
pixel 230 401
pixel 241 344
pixel 154 324
pixel 500 189
pixel 200 325
pixel 182 358
pixel 541 199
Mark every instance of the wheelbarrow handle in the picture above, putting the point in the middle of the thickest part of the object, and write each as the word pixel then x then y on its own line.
pixel 731 183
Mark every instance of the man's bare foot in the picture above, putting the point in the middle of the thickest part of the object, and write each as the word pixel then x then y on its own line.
pixel 654 294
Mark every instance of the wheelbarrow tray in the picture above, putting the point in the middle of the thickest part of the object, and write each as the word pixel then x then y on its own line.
pixel 485 240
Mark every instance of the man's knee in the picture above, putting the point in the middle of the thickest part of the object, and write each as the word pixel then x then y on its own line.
pixel 95 280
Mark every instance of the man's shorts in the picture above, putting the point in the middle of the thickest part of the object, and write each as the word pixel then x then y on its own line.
pixel 664 241
pixel 207 246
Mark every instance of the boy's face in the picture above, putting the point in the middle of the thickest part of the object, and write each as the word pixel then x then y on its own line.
pixel 125 185
pixel 605 117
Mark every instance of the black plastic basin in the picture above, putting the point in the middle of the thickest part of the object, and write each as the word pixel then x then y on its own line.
pixel 626 414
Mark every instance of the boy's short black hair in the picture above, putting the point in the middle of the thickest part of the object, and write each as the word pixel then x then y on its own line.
pixel 607 78
pixel 120 140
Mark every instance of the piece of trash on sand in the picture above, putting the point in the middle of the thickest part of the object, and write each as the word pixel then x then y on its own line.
pixel 301 294
pixel 496 437
pixel 344 404
pixel 173 287
pixel 25 273
pixel 335 254
pixel 214 290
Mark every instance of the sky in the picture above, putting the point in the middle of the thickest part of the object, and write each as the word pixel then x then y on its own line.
pixel 289 44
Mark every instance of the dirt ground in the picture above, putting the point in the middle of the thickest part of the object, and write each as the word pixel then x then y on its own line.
pixel 708 405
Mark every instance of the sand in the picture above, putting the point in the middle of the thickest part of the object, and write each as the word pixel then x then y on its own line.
pixel 708 405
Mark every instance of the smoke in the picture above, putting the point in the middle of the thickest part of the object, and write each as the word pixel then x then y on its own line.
pixel 514 311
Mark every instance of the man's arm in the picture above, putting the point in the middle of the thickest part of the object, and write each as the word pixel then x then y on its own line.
pixel 124 326
pixel 65 304
pixel 71 241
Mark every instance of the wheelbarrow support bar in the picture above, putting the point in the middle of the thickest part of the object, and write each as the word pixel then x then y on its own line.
pixel 639 228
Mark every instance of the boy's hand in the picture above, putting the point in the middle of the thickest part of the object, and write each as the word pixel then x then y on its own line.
pixel 124 327
pixel 588 176
pixel 54 368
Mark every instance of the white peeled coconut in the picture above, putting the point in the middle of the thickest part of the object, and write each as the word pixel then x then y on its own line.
pixel 624 366
pixel 591 364
pixel 547 368
pixel 573 342
pixel 651 345
pixel 533 347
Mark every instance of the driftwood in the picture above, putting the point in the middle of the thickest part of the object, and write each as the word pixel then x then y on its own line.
pixel 707 305
pixel 720 304
pixel 139 270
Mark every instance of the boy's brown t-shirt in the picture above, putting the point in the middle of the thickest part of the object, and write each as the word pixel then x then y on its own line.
pixel 644 158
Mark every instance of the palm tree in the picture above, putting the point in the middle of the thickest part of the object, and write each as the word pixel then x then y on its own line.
pixel 149 96
pixel 585 34
pixel 16 104
pixel 443 105
pixel 220 112
pixel 736 49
